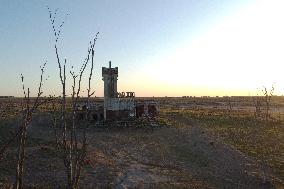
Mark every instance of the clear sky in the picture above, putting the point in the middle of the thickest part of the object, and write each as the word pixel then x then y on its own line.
pixel 162 47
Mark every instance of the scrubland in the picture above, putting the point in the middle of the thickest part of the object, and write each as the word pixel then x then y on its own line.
pixel 194 143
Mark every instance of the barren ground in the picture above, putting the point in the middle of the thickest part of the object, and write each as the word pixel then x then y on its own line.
pixel 183 154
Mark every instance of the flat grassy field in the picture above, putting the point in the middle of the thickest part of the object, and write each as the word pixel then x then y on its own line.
pixel 264 143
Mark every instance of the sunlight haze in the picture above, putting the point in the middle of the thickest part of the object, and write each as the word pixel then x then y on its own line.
pixel 235 57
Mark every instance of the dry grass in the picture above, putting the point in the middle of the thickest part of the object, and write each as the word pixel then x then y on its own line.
pixel 241 130
pixel 184 153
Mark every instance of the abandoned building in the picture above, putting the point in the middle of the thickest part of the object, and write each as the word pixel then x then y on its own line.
pixel 117 105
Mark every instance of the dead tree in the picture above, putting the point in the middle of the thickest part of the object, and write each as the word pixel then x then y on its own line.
pixel 29 106
pixel 72 154
pixel 28 109
pixel 229 107
pixel 267 100
pixel 257 101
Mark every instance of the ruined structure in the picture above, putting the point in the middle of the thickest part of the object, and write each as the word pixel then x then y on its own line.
pixel 110 81
pixel 117 106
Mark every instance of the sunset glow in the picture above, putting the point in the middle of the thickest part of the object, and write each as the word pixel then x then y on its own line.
pixel 239 55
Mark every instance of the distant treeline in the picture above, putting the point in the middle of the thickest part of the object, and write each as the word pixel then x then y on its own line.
pixel 6 96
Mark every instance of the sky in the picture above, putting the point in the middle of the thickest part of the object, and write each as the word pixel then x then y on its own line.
pixel 161 47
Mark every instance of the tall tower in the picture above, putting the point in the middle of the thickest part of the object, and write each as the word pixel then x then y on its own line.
pixel 110 87
pixel 110 81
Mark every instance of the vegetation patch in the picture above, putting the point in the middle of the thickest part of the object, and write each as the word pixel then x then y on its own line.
pixel 244 132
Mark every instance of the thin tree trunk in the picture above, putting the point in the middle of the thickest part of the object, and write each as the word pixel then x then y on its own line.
pixel 21 156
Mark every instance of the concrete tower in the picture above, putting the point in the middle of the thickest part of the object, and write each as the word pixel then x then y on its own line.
pixel 110 81
pixel 110 87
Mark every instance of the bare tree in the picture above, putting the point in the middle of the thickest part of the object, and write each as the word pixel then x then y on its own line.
pixel 229 106
pixel 28 109
pixel 29 106
pixel 267 100
pixel 72 154
pixel 257 101
pixel 262 107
